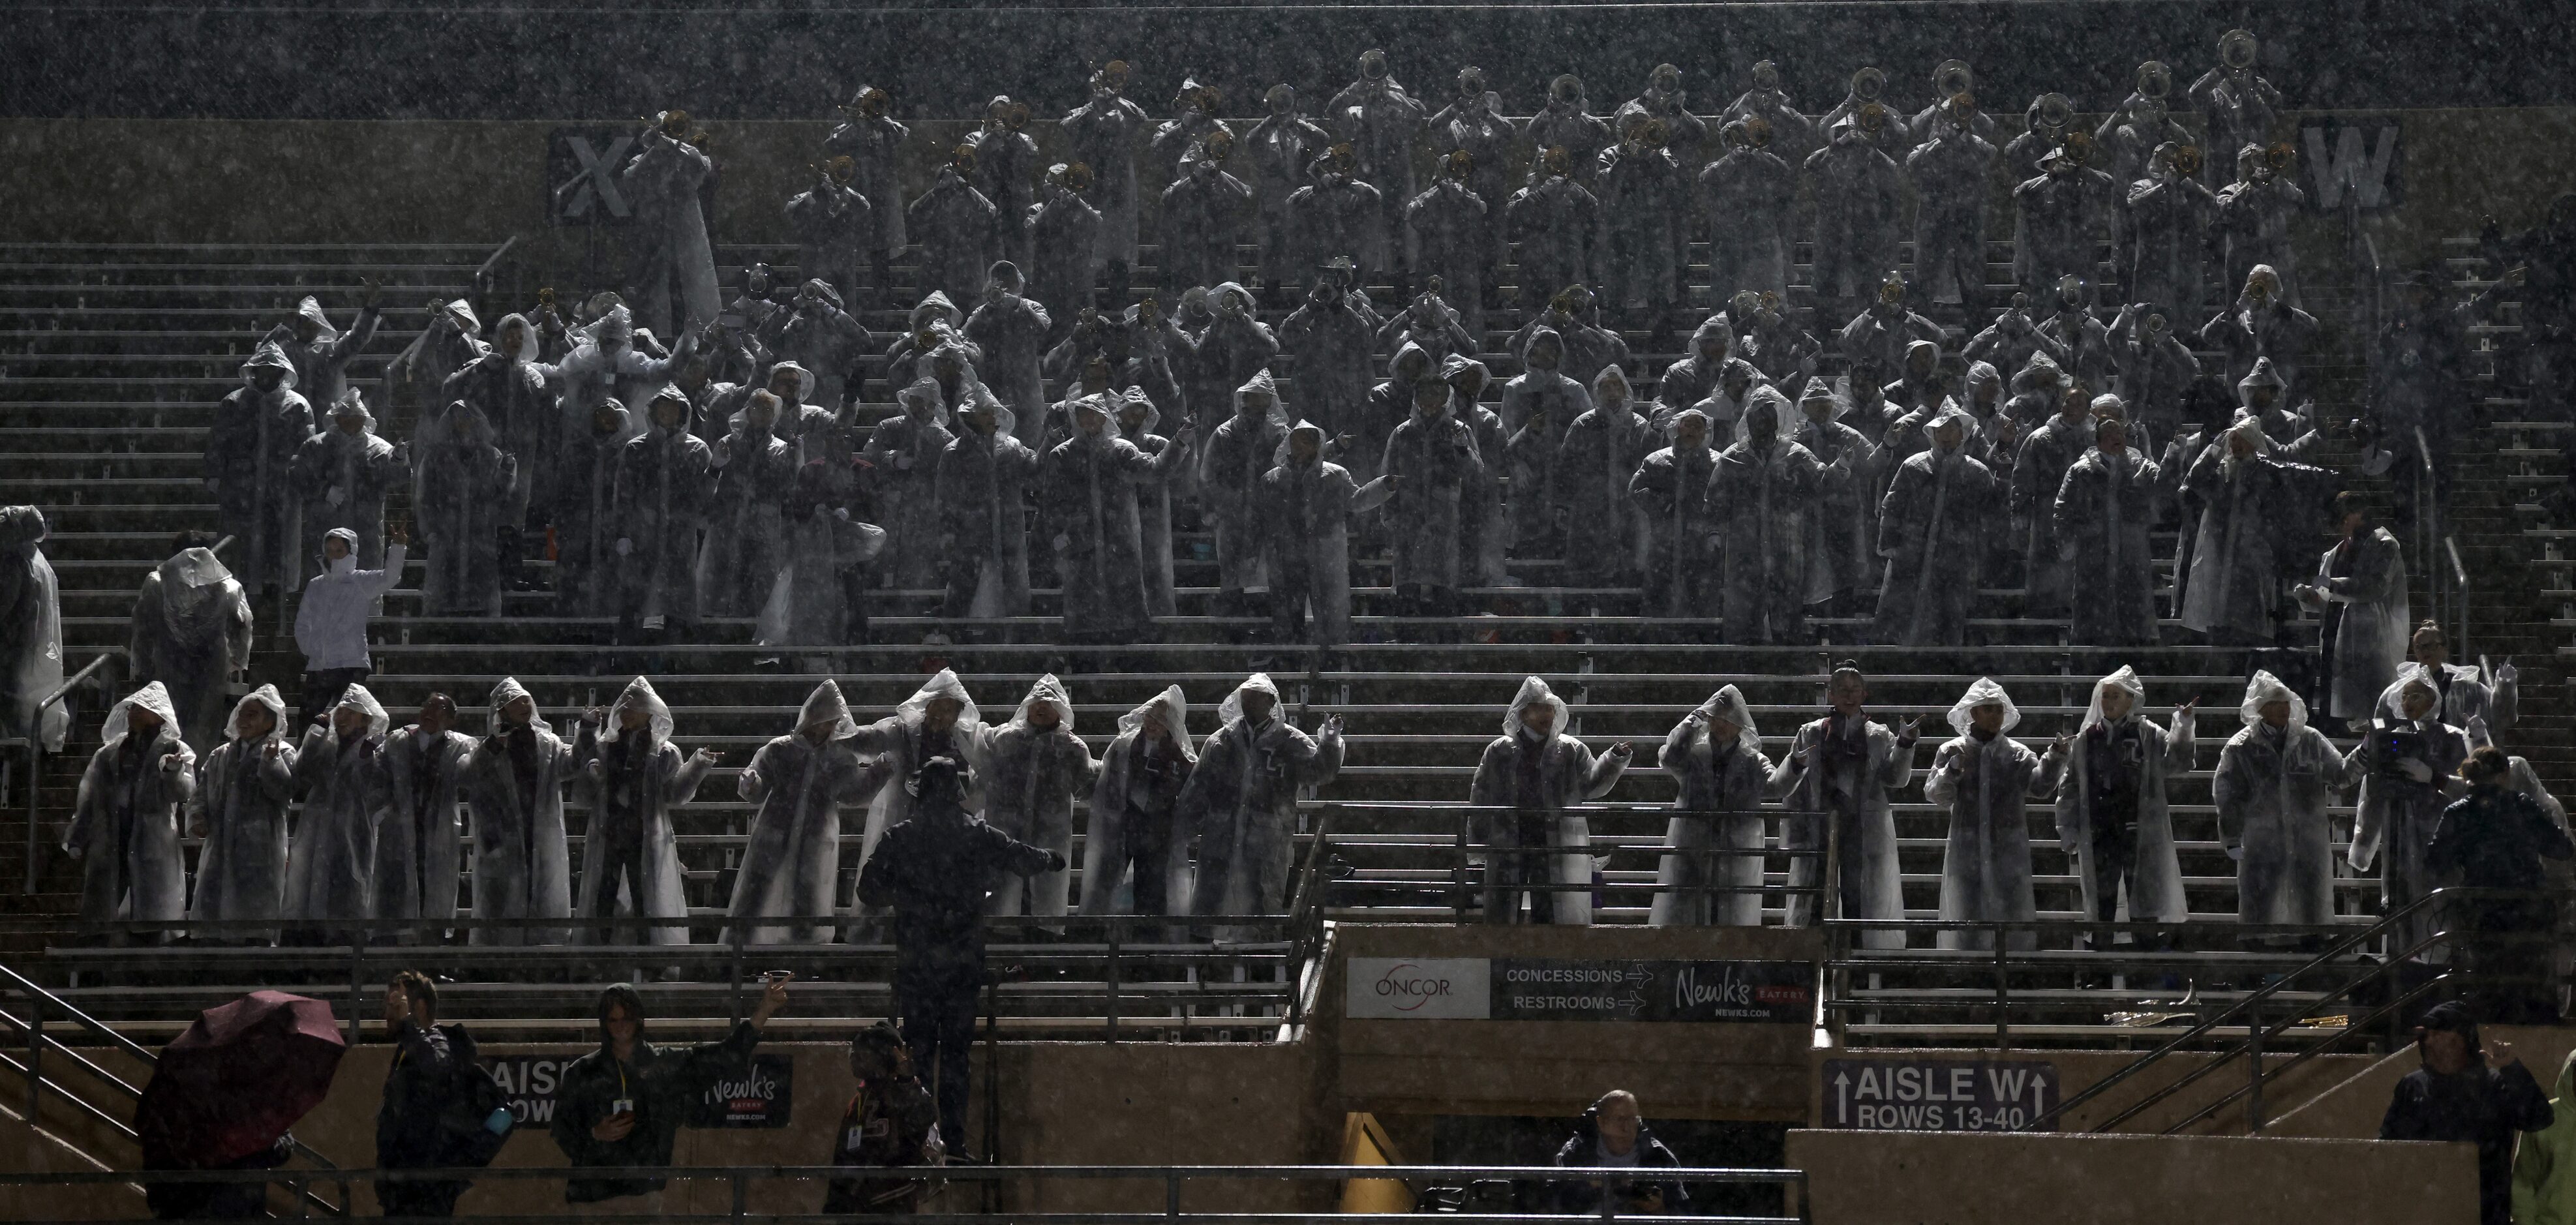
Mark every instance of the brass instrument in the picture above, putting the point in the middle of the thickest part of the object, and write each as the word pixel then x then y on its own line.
pixel 1016 116
pixel 2278 156
pixel 1766 76
pixel 2187 160
pixel 1757 131
pixel 1872 117
pixel 1953 78
pixel 1868 83
pixel 2055 110
pixel 2154 79
pixel 2236 49
pixel 1556 160
pixel 1567 88
pixel 1077 177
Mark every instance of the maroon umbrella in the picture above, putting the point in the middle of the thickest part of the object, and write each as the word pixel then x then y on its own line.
pixel 242 1074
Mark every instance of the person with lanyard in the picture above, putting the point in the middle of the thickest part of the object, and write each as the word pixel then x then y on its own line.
pixel 890 1122
pixel 1845 766
pixel 620 1107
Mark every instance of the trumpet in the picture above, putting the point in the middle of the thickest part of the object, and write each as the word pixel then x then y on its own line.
pixel 1872 118
pixel 2278 156
pixel 1077 177
pixel 2187 160
pixel 1016 116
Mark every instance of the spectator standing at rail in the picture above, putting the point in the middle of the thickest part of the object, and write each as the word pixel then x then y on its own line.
pixel 2470 1093
pixel 2494 838
pixel 891 1122
pixel 440 1107
pixel 1613 1134
pixel 620 1107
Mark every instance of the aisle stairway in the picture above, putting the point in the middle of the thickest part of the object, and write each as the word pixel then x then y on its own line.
pixel 102 413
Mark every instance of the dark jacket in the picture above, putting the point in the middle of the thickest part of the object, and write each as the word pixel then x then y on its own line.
pixel 934 870
pixel 664 1084
pixel 2495 838
pixel 1583 1148
pixel 428 1118
pixel 885 1126
pixel 2482 1106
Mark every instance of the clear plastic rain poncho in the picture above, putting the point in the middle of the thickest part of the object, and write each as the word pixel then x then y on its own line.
pixel 125 819
pixel 330 871
pixel 1722 783
pixel 241 806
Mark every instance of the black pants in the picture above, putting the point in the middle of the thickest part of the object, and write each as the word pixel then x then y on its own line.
pixel 1291 585
pixel 960 577
pixel 322 691
pixel 1144 841
pixel 939 1026
pixel 621 859
pixel 1522 870
pixel 419 1200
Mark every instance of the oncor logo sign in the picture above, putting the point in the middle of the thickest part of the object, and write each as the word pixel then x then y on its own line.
pixel 1440 988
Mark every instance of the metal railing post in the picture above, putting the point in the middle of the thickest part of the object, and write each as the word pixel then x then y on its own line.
pixel 357 979
pixel 1171 1193
pixel 741 1197
pixel 1457 875
pixel 35 1058
pixel 2254 1057
pixel 35 784
pixel 2003 991
pixel 1114 925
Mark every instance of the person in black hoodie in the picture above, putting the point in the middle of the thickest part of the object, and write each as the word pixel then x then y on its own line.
pixel 623 1104
pixel 2456 1097
pixel 429 1117
pixel 2494 838
pixel 933 870
pixel 1613 1133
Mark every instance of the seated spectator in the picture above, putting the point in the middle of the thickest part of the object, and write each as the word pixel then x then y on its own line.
pixel 2494 838
pixel 1612 1134
pixel 2456 1097
pixel 620 1107
pixel 890 1123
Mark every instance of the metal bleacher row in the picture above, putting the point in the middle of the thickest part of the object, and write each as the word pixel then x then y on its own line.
pixel 111 358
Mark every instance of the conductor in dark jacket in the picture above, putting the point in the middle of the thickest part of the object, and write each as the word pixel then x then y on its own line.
pixel 2458 1096
pixel 2494 838
pixel 934 871
pixel 1613 1133
pixel 427 1119
pixel 623 1104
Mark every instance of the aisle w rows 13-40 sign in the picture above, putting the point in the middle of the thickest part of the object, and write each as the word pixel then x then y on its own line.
pixel 1902 1094
pixel 1559 989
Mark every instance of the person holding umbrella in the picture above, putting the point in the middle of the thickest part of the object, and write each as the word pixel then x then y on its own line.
pixel 224 1093
pixel 621 1106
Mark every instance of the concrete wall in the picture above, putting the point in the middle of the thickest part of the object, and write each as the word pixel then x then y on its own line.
pixel 182 180
pixel 1425 1067
pixel 1920 1178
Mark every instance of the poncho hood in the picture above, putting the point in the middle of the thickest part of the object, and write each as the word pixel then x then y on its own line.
pixel 152 697
pixel 826 705
pixel 510 690
pixel 639 694
pixel 1230 711
pixel 1534 692
pixel 2126 680
pixel 1986 692
pixel 265 698
pixel 2266 689
pixel 1048 691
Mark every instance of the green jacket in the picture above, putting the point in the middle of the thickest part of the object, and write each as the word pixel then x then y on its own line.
pixel 2544 1167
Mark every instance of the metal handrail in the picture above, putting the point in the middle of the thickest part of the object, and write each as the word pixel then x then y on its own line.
pixel 35 747
pixel 1173 1178
pixel 39 1003
pixel 2252 1001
